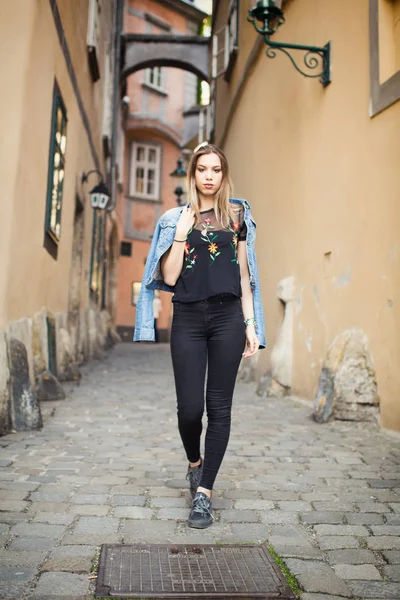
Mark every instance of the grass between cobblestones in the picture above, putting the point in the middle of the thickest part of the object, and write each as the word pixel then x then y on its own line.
pixel 95 562
pixel 290 578
pixel 94 570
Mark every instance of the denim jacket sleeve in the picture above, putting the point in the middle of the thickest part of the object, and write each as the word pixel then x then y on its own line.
pixel 144 325
pixel 254 276
pixel 152 277
pixel 258 308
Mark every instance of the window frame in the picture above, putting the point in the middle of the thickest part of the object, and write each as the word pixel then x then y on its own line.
pixel 146 165
pixel 93 39
pixel 155 86
pixel 225 42
pixel 382 95
pixel 58 103
pixel 124 246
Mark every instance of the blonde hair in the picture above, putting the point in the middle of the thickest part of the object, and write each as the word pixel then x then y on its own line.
pixel 224 210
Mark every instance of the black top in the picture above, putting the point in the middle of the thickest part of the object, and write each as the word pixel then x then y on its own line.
pixel 210 265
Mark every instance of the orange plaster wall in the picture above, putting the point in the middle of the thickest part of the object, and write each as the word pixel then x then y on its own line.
pixel 156 118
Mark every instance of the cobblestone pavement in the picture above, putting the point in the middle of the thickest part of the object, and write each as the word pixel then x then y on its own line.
pixel 108 467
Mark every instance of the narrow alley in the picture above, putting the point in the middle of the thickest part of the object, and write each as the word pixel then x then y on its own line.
pixel 108 467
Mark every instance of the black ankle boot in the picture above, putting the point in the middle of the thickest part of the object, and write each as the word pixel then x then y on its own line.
pixel 201 514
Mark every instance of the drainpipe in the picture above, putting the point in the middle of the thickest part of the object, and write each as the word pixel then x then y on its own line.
pixel 118 24
pixel 119 15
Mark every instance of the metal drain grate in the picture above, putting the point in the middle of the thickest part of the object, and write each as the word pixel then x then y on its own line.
pixel 188 571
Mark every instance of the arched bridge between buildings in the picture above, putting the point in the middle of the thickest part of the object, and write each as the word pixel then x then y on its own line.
pixel 190 53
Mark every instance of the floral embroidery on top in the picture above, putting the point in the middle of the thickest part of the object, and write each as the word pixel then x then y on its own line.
pixel 208 243
pixel 190 258
pixel 234 243
pixel 214 245
pixel 210 237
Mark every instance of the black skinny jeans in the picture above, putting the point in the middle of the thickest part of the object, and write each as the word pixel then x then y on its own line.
pixel 209 333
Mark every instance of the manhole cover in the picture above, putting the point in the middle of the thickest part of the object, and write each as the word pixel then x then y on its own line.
pixel 189 571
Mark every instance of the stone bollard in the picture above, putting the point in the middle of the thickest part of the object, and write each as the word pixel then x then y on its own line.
pixel 40 346
pixel 25 411
pixel 278 380
pixel 347 387
pixel 4 386
pixel 67 367
pixel 22 330
pixel 281 355
pixel 48 387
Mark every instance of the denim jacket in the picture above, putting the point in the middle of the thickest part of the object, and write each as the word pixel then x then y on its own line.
pixel 152 279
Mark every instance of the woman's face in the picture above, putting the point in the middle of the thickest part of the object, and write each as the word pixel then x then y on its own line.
pixel 208 174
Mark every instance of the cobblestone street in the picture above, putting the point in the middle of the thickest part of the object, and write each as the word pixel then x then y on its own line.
pixel 108 467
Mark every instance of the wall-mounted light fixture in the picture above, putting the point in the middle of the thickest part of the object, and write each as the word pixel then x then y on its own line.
pixel 271 16
pixel 180 176
pixel 99 195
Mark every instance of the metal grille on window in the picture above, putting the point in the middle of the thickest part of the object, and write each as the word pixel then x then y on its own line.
pixel 58 146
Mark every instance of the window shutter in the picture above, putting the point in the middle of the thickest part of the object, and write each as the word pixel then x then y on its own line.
pixel 219 48
pixel 225 42
pixel 93 37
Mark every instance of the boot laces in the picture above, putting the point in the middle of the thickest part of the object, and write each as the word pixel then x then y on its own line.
pixel 201 504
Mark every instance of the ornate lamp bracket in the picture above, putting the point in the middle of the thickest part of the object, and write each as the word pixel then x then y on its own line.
pixel 316 59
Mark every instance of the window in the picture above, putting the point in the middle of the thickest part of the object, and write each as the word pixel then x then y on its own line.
pixel 126 249
pixel 55 180
pixel 93 36
pixel 389 38
pixel 225 44
pixel 384 35
pixel 145 171
pixel 155 77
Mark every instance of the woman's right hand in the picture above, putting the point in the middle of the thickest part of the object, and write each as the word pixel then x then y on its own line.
pixel 185 222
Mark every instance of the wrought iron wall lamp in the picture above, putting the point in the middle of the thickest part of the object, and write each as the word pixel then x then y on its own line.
pixel 268 13
pixel 179 176
pixel 99 195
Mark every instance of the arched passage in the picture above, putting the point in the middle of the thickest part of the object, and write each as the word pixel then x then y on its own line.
pixel 190 53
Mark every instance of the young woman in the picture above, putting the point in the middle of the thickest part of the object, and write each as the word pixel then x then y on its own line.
pixel 210 266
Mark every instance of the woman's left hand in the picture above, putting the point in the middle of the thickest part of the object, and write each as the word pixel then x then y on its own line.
pixel 252 343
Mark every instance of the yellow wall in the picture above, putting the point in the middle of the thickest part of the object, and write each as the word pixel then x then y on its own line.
pixel 15 16
pixel 30 278
pixel 322 177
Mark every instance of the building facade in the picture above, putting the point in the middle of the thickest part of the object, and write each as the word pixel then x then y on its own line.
pixel 161 118
pixel 59 257
pixel 319 166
